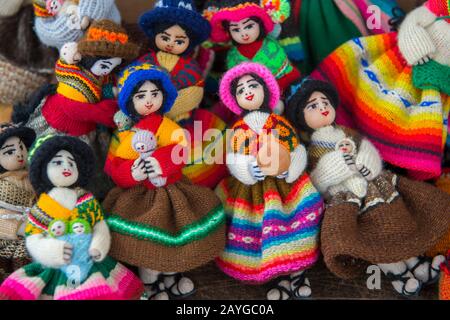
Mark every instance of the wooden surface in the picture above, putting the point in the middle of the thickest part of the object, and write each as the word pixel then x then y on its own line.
pixel 212 284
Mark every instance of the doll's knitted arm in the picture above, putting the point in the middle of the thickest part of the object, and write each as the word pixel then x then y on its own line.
pixel 242 167
pixel 121 172
pixel 46 251
pixel 330 170
pixel 368 160
pixel 299 159
pixel 169 160
pixel 101 112
pixel 100 9
pixel 101 241
pixel 413 40
pixel 9 8
pixel 188 99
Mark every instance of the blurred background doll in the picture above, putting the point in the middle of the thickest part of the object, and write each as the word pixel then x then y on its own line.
pixel 273 210
pixel 16 194
pixel 60 169
pixel 396 221
pixel 165 229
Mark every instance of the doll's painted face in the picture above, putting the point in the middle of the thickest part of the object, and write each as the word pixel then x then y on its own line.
pixel 54 6
pixel 58 228
pixel 245 31
pixel 346 146
pixel 173 40
pixel 62 170
pixel 105 66
pixel 249 93
pixel 78 228
pixel 13 154
pixel 148 99
pixel 318 111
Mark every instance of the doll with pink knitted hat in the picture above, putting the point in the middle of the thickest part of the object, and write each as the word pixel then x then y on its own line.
pixel 250 25
pixel 274 210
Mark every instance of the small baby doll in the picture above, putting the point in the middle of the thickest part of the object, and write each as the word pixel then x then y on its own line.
pixel 77 233
pixel 69 8
pixel 356 183
pixel 122 121
pixel 144 142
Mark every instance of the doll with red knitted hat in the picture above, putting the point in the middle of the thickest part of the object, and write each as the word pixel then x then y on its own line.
pixel 175 29
pixel 248 24
pixel 394 89
pixel 161 222
pixel 76 104
pixel 273 210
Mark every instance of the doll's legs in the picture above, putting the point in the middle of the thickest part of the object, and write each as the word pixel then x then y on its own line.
pixel 401 278
pixel 295 285
pixel 425 269
pixel 154 283
pixel 178 285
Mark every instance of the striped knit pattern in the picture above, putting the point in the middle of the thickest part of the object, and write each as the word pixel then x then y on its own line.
pixel 273 236
pixel 78 84
pixel 407 125
pixel 107 280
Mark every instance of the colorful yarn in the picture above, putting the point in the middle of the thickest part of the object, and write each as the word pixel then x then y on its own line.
pixel 407 125
pixel 270 236
pixel 444 281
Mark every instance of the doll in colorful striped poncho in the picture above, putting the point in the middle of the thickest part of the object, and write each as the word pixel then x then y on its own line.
pixel 273 210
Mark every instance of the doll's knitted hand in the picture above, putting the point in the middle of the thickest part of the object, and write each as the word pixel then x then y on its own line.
pixel 67 253
pixel 256 171
pixel 95 254
pixel 101 242
pixel 152 167
pixel 138 170
pixel 69 53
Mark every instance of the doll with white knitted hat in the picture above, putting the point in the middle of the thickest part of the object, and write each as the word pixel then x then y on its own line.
pixel 161 222
pixel 16 194
pixel 392 225
pixel 175 29
pixel 249 25
pixel 60 21
pixel 274 210
pixel 63 267
pixel 394 89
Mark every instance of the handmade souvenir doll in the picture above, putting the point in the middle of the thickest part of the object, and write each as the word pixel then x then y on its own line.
pixel 76 105
pixel 395 90
pixel 60 169
pixel 397 220
pixel 248 23
pixel 273 210
pixel 174 29
pixel 168 229
pixel 55 29
pixel 16 194
pixel 25 63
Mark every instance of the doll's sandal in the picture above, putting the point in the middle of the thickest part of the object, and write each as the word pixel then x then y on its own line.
pixel 422 260
pixel 157 290
pixel 300 282
pixel 174 289
pixel 283 292
pixel 401 277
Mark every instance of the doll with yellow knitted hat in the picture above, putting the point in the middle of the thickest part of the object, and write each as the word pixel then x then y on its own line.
pixel 161 222
pixel 74 267
pixel 273 210
pixel 76 104
pixel 175 29
pixel 249 24
pixel 16 194
pixel 394 89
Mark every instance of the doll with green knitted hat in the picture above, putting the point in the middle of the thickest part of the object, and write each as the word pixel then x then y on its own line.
pixel 392 223
pixel 175 29
pixel 76 104
pixel 161 222
pixel 16 194
pixel 66 232
pixel 248 24
pixel 394 89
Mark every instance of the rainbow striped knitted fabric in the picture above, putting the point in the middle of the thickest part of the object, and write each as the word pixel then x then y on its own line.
pixel 272 228
pixel 407 125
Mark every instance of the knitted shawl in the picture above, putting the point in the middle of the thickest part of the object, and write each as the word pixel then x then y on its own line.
pixel 78 83
pixel 271 54
pixel 246 141
pixel 16 191
pixel 47 209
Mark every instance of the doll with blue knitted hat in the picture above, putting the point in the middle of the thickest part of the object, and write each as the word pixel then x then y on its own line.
pixel 66 232
pixel 175 29
pixel 161 222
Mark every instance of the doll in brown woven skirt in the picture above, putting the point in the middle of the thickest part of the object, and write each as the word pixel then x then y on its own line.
pixel 16 194
pixel 392 223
